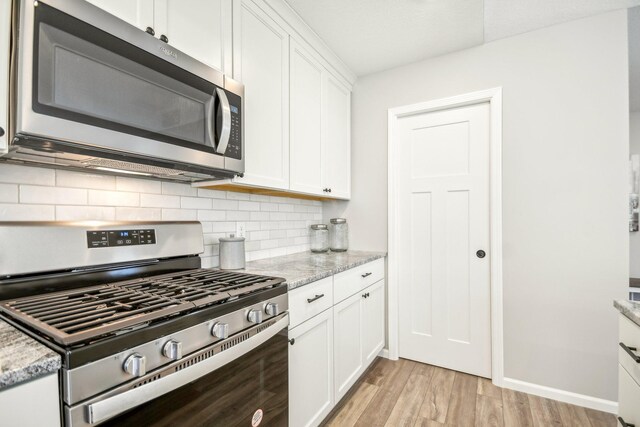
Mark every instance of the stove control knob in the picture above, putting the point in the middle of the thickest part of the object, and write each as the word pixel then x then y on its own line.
pixel 272 309
pixel 135 365
pixel 220 330
pixel 172 349
pixel 255 316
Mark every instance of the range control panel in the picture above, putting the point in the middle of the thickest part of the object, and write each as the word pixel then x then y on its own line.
pixel 115 238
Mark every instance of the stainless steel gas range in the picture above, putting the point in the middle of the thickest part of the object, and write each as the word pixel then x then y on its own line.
pixel 146 336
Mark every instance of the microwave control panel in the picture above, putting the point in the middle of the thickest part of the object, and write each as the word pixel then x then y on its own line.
pixel 115 238
pixel 234 148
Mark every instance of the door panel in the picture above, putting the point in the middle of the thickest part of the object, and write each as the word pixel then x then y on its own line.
pixel 373 322
pixel 444 212
pixel 261 63
pixel 348 343
pixel 336 146
pixel 306 101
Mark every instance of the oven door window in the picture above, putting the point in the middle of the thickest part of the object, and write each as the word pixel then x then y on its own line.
pixel 251 390
pixel 89 76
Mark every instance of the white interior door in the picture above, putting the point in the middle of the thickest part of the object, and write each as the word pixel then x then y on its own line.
pixel 444 286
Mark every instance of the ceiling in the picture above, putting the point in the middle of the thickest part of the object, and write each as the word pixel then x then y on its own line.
pixel 375 35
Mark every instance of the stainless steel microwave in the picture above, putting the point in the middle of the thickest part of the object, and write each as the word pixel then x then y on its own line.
pixel 90 91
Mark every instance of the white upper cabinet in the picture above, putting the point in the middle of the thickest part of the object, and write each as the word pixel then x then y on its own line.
pixel 5 25
pixel 307 75
pixel 261 63
pixel 199 28
pixel 336 138
pixel 135 12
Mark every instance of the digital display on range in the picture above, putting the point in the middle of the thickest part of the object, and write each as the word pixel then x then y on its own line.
pixel 115 238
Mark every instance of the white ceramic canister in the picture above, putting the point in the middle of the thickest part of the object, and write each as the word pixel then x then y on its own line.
pixel 232 255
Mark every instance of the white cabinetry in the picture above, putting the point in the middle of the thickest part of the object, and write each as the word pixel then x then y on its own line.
pixel 35 403
pixel 307 75
pixel 199 28
pixel 5 26
pixel 629 372
pixel 261 63
pixel 311 371
pixel 336 331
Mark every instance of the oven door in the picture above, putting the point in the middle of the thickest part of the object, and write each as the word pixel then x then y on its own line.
pixel 118 90
pixel 241 381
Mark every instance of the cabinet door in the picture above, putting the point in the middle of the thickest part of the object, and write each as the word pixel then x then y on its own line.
pixel 373 322
pixel 43 392
pixel 261 63
pixel 347 318
pixel 135 12
pixel 336 138
pixel 311 370
pixel 306 121
pixel 199 28
pixel 628 397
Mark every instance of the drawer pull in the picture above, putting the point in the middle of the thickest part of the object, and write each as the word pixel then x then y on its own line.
pixel 366 275
pixel 630 352
pixel 625 424
pixel 317 297
pixel 292 341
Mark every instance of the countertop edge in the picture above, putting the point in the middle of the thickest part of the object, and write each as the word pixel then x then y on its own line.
pixel 333 271
pixel 630 309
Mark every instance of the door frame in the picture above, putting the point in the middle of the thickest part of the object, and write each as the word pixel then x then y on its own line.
pixel 494 98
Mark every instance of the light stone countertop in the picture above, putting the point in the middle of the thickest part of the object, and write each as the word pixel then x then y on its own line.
pixel 305 267
pixel 631 309
pixel 22 358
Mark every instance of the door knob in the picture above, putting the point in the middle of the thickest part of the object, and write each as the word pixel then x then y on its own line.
pixel 481 254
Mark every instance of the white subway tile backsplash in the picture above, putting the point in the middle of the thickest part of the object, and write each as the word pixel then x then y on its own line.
pixel 177 189
pixel 84 180
pixel 8 193
pixel 159 201
pixel 138 214
pixel 85 213
pixel 18 174
pixel 17 212
pixel 138 185
pixel 113 198
pixel 275 225
pixel 33 194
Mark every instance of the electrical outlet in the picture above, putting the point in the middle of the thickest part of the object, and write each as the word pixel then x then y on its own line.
pixel 241 229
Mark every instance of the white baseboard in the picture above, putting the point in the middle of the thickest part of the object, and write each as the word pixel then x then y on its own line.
pixel 562 395
pixel 384 353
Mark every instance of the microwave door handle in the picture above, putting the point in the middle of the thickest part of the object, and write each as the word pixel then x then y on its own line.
pixel 225 132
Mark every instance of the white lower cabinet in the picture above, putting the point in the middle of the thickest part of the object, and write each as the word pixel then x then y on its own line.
pixel 629 373
pixel 335 335
pixel 311 371
pixel 42 409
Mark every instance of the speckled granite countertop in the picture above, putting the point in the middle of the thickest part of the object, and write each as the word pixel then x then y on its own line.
pixel 631 309
pixel 306 267
pixel 23 358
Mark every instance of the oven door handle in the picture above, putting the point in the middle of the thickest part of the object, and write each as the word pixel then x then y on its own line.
pixel 110 407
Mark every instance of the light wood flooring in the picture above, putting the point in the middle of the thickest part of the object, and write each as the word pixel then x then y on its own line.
pixel 407 393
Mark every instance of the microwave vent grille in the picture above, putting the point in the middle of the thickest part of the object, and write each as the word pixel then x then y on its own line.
pixel 134 167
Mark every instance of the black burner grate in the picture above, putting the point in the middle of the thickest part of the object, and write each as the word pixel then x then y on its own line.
pixel 80 315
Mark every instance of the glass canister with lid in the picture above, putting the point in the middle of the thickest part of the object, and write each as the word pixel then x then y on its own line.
pixel 339 235
pixel 319 238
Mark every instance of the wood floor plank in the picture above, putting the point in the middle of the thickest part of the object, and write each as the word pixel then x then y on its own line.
pixel 355 406
pixel 425 422
pixel 405 411
pixel 381 371
pixel 436 400
pixel 572 416
pixel 515 409
pixel 462 404
pixel 601 419
pixel 486 388
pixel 489 411
pixel 382 404
pixel 544 412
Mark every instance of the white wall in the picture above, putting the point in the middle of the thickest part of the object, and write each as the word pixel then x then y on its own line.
pixel 634 238
pixel 275 225
pixel 565 151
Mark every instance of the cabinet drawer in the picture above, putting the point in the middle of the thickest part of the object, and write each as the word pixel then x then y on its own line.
pixel 628 398
pixel 309 300
pixel 356 279
pixel 630 337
